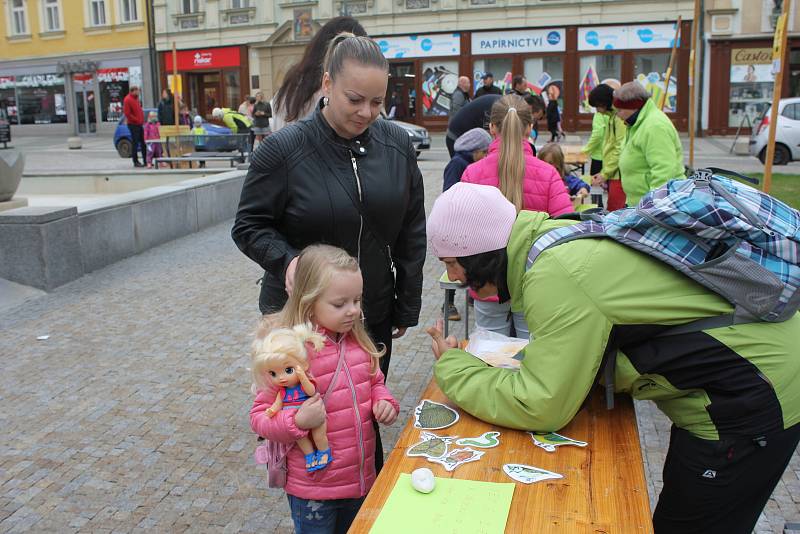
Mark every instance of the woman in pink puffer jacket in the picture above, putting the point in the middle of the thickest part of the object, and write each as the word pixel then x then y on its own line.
pixel 349 382
pixel 526 181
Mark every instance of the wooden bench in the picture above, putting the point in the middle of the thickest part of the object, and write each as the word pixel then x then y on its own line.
pixel 603 490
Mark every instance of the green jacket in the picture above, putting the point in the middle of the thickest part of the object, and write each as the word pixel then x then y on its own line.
pixel 612 145
pixel 236 121
pixel 652 154
pixel 733 381
pixel 594 147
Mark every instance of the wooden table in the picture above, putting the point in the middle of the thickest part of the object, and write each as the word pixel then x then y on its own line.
pixel 603 489
pixel 574 159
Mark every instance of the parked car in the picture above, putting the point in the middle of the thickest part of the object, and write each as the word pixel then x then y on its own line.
pixel 216 141
pixel 787 133
pixel 5 128
pixel 419 135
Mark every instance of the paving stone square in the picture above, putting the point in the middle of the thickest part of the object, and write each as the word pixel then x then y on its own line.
pixel 133 415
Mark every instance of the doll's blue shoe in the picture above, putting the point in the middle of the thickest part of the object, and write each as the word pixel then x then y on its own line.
pixel 323 459
pixel 311 462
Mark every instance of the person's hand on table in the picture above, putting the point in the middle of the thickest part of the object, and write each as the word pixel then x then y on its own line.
pixel 398 331
pixel 598 179
pixel 440 344
pixel 311 413
pixel 289 281
pixel 384 412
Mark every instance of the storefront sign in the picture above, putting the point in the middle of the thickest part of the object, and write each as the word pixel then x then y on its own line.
pixel 112 75
pixel 634 37
pixel 40 80
pixel 208 58
pixel 750 65
pixel 410 46
pixel 510 42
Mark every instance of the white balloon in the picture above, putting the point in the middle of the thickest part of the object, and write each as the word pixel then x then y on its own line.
pixel 422 480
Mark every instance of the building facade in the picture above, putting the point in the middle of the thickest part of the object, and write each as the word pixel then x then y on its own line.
pixel 738 73
pixel 70 63
pixel 231 48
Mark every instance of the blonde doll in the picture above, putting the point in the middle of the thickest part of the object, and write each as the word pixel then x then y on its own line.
pixel 280 358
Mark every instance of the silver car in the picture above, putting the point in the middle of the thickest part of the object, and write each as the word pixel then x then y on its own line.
pixel 787 133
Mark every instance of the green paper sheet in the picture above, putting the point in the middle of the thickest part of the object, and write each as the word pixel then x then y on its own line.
pixel 455 506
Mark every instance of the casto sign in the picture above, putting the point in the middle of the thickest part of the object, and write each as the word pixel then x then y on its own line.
pixel 751 56
pixel 205 58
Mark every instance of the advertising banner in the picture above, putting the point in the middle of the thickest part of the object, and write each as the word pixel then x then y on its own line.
pixel 634 37
pixel 411 46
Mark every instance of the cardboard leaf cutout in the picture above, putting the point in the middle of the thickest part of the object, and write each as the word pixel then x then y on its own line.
pixel 433 416
pixel 458 457
pixel 431 446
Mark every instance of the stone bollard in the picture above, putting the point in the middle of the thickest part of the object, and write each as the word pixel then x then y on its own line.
pixel 12 162
pixel 74 143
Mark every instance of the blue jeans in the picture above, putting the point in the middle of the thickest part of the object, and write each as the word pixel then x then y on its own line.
pixel 323 517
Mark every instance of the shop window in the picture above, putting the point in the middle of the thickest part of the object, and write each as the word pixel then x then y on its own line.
pixel 114 85
pixel 128 11
pixel 500 67
pixel 794 72
pixel 41 99
pixel 233 90
pixel 19 17
pixel 418 4
pixel 751 85
pixel 52 17
pixel 8 98
pixel 439 81
pixel 189 6
pixel 239 4
pixel 542 72
pixel 97 12
pixel 649 70
pixel 482 2
pixel 594 70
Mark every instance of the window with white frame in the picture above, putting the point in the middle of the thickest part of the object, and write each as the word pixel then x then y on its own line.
pixel 239 4
pixel 19 17
pixel 189 6
pixel 52 17
pixel 97 12
pixel 128 11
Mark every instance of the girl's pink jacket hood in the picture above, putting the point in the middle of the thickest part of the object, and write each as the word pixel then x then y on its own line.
pixel 542 188
pixel 350 431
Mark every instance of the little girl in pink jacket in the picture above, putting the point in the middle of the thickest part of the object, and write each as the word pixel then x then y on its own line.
pixel 529 183
pixel 347 378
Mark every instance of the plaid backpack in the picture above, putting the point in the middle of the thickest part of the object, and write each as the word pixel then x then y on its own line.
pixel 731 238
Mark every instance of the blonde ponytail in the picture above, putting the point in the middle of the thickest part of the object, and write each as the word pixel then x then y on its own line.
pixel 511 115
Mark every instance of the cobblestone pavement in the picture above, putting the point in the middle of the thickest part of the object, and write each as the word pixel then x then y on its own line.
pixel 132 415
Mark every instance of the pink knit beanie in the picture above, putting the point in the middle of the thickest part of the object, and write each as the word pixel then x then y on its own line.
pixel 470 219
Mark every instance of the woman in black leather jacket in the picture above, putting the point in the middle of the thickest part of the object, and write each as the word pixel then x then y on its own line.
pixel 344 177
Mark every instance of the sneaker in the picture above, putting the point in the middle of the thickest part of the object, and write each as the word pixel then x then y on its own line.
pixel 452 313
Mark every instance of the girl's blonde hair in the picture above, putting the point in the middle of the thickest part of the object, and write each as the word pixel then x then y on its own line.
pixel 317 266
pixel 272 345
pixel 555 157
pixel 511 115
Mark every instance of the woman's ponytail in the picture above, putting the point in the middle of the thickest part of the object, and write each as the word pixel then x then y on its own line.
pixel 511 116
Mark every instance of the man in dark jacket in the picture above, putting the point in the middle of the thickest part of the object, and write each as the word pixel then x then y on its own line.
pixel 134 117
pixel 166 108
pixel 488 87
pixel 460 95
pixel 519 85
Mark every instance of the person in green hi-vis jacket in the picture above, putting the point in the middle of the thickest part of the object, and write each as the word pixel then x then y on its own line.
pixel 732 393
pixel 594 147
pixel 652 154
